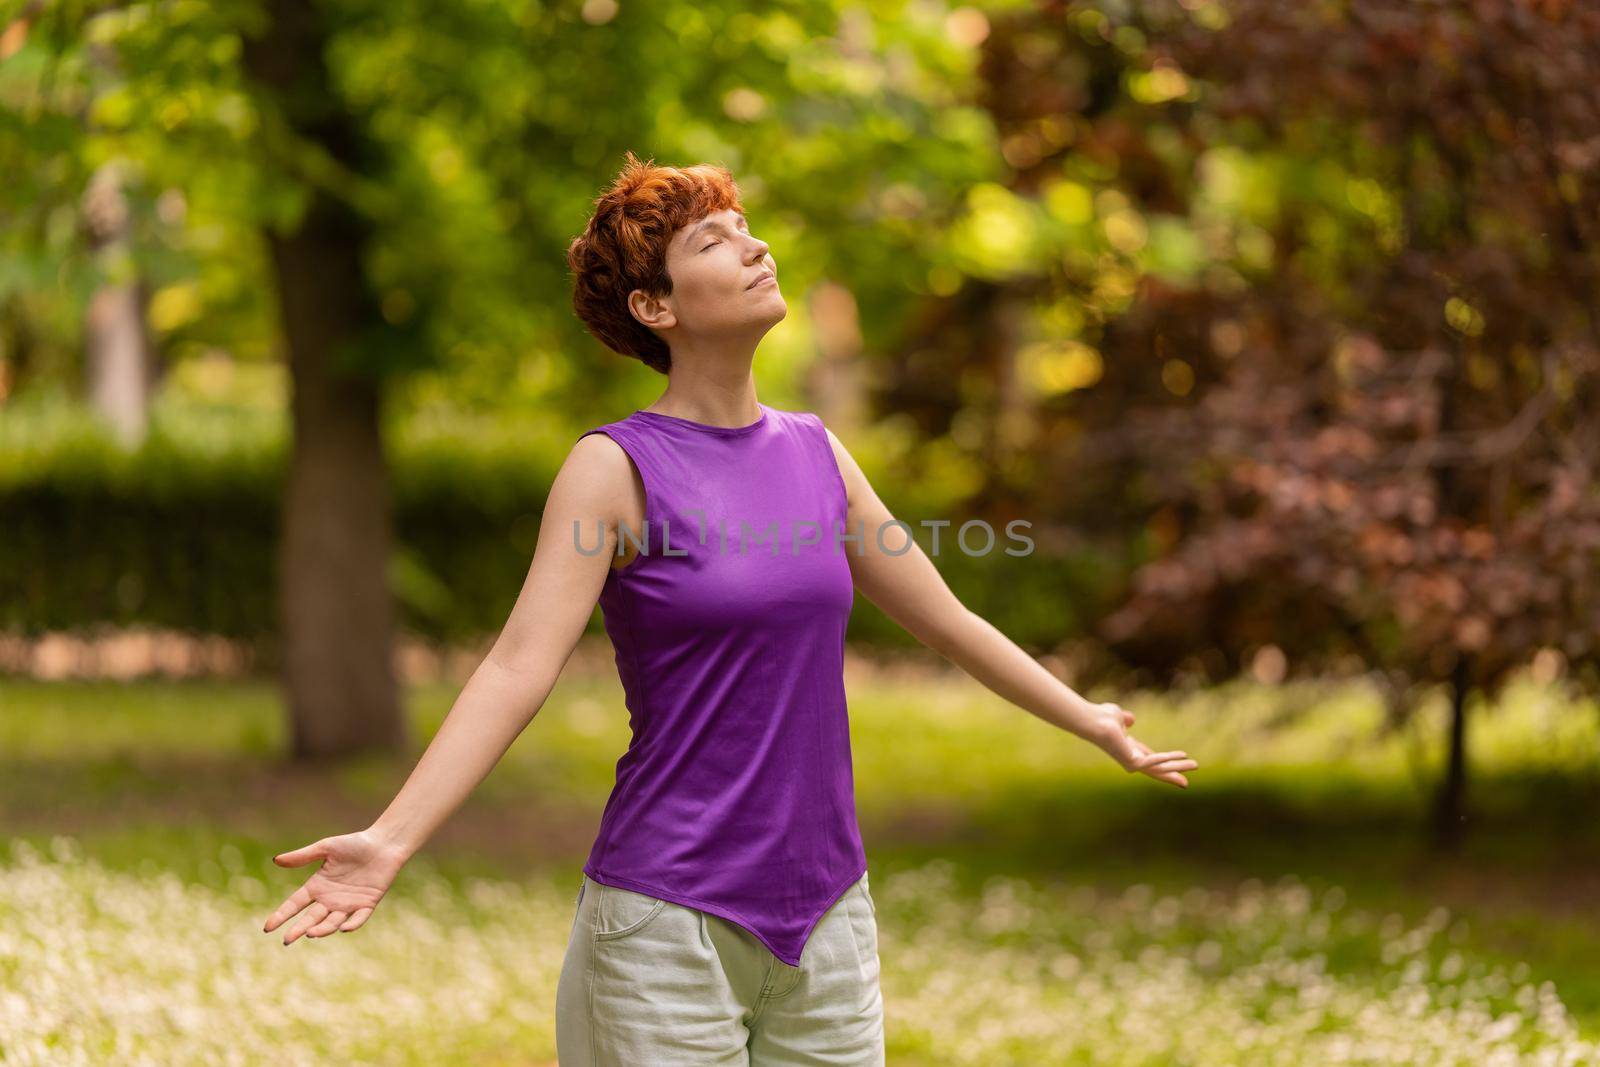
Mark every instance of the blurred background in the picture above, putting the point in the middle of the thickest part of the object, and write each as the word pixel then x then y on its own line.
pixel 1278 323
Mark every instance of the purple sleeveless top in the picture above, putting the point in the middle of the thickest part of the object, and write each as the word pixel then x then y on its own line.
pixel 735 795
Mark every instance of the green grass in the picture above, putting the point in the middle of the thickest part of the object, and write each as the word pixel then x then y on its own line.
pixel 1036 903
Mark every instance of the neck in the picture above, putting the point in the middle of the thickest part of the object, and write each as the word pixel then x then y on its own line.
pixel 716 396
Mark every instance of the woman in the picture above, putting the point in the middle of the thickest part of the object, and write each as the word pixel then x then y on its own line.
pixel 723 914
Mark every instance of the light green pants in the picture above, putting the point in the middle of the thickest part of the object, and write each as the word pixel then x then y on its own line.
pixel 650 983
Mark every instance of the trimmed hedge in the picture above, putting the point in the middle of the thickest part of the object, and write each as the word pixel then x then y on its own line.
pixel 182 533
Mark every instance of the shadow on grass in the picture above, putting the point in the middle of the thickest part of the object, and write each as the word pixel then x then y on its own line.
pixel 1531 838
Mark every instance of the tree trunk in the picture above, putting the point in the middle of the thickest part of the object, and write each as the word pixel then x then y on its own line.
pixel 336 608
pixel 1450 814
pixel 118 366
pixel 117 347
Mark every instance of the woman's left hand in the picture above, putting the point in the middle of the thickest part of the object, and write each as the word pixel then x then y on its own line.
pixel 1111 735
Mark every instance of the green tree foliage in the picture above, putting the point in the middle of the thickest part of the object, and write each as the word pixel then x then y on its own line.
pixel 495 125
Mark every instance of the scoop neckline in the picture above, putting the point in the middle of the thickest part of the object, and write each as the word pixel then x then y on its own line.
pixel 706 427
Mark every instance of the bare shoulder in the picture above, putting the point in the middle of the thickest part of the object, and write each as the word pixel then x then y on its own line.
pixel 598 478
pixel 598 452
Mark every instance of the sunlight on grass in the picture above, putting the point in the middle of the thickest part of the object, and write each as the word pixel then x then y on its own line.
pixel 938 736
pixel 78 721
pixel 948 739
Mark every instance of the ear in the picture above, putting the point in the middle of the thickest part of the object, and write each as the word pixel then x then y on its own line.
pixel 650 310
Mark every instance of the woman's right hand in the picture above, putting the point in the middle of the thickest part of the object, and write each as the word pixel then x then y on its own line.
pixel 357 870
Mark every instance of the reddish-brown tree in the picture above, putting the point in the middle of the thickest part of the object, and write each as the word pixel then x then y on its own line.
pixel 1379 438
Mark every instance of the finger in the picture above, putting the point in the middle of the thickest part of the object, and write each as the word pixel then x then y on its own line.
pixel 1168 766
pixel 297 900
pixel 1160 757
pixel 1171 774
pixel 356 919
pixel 1168 775
pixel 1127 717
pixel 330 925
pixel 313 915
pixel 302 856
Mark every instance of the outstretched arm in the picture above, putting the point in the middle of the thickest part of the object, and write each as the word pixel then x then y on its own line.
pixel 595 485
pixel 901 580
pixel 510 685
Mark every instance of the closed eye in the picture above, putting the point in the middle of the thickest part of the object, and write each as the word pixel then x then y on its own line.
pixel 742 229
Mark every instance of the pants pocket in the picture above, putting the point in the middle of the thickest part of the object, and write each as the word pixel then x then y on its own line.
pixel 621 912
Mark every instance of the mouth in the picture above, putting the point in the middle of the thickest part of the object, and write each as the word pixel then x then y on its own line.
pixel 768 278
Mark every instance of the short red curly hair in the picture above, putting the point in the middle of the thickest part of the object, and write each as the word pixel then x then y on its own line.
pixel 624 247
